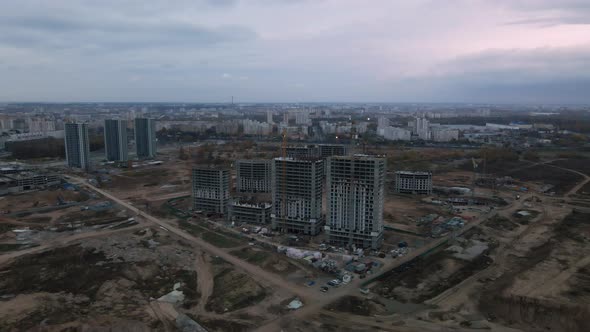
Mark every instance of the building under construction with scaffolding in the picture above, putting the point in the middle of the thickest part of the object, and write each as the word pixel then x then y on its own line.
pixel 297 186
pixel 355 187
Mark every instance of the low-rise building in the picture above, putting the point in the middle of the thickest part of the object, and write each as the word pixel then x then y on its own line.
pixel 26 180
pixel 250 213
pixel 407 182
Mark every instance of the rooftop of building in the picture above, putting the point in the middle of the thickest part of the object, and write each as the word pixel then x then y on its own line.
pixel 301 160
pixel 359 156
pixel 210 168
pixel 259 160
pixel 413 173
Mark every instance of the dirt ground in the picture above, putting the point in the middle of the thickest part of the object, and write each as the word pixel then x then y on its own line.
pixel 114 282
pixel 39 199
pixel 406 210
pixel 561 179
pixel 151 183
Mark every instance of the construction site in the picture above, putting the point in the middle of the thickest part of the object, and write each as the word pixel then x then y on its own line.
pixel 125 247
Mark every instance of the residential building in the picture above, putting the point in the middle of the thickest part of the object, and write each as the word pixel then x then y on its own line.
pixel 77 145
pixel 413 182
pixel 115 140
pixel 297 195
pixel 355 195
pixel 441 134
pixel 145 138
pixel 302 151
pixel 253 176
pixel 252 127
pixel 302 118
pixel 26 180
pixel 328 150
pixel 250 213
pixel 210 189
pixel 395 133
pixel 422 128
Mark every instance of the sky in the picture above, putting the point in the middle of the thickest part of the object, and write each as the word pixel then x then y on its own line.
pixel 480 51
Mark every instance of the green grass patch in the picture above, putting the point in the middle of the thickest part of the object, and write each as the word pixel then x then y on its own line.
pixel 221 241
pixel 252 256
pixel 193 229
pixel 217 238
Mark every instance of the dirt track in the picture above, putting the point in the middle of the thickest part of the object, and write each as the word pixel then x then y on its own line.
pixel 314 300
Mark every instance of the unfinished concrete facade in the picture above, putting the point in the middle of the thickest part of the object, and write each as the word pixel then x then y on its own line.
pixel 322 151
pixel 413 182
pixel 297 195
pixel 253 176
pixel 250 213
pixel 329 150
pixel 210 189
pixel 303 151
pixel 355 186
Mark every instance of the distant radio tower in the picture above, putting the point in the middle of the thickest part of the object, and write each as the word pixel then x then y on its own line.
pixel 232 100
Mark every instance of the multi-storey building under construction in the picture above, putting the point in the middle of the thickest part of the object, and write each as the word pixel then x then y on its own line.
pixel 355 187
pixel 297 195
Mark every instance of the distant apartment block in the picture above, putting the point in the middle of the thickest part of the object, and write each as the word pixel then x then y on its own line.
pixel 250 213
pixel 395 133
pixel 210 189
pixel 413 182
pixel 115 140
pixel 77 145
pixel 297 195
pixel 422 128
pixel 355 187
pixel 253 176
pixel 145 138
pixel 444 134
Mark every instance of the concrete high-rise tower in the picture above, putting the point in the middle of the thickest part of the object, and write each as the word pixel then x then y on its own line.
pixel 145 138
pixel 253 176
pixel 77 145
pixel 115 140
pixel 297 195
pixel 355 187
pixel 210 189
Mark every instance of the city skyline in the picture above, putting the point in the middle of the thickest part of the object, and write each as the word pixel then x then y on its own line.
pixel 296 51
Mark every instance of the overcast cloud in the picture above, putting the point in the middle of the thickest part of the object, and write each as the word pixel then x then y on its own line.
pixel 296 50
